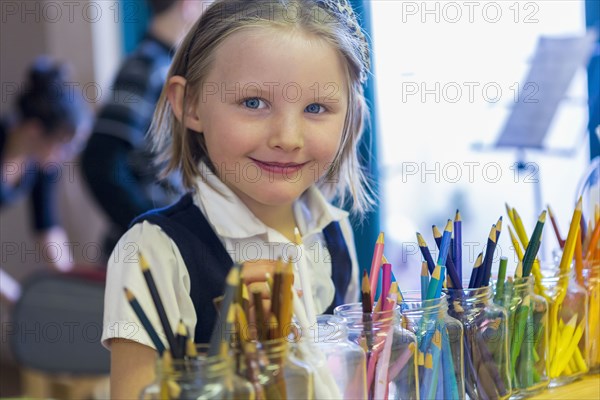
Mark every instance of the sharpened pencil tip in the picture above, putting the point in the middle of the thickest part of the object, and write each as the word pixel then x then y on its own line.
pixel 449 226
pixel 128 294
pixel 143 262
pixel 421 240
pixel 297 237
pixel 233 277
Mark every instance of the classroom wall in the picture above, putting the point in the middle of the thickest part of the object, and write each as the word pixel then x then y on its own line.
pixel 87 35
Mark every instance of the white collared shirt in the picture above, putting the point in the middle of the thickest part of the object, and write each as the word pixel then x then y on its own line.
pixel 245 238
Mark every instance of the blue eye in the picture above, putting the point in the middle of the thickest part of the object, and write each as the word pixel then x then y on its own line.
pixel 314 108
pixel 253 103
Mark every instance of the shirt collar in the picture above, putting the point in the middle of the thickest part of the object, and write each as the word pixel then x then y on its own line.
pixel 230 217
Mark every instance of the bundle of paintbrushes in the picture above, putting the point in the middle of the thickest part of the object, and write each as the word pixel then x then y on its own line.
pixel 374 324
pixel 440 337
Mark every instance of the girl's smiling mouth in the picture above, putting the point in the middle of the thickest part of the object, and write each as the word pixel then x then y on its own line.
pixel 278 167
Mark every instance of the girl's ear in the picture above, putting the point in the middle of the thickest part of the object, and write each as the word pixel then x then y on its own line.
pixel 175 95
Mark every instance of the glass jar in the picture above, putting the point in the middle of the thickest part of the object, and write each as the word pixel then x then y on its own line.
pixel 440 346
pixel 591 282
pixel 568 318
pixel 343 363
pixel 391 351
pixel 282 374
pixel 485 327
pixel 527 335
pixel 198 377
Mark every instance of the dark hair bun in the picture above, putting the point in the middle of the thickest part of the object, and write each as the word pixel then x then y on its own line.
pixel 45 76
pixel 47 98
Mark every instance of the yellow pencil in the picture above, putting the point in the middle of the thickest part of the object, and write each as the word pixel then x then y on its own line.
pixel 520 229
pixel 516 244
pixel 569 249
pixel 509 212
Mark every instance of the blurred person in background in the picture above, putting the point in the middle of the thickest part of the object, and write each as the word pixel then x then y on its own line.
pixel 47 126
pixel 117 162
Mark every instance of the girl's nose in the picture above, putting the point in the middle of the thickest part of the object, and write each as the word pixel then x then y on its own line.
pixel 287 133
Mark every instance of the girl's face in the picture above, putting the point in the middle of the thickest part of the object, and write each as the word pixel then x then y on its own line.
pixel 272 112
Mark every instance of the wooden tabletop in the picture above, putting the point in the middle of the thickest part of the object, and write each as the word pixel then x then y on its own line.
pixel 584 389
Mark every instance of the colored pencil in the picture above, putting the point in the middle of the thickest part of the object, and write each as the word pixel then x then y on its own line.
pixel 160 309
pixel 426 253
pixel 561 241
pixel 520 229
pixel 424 280
pixel 181 340
pixel 579 259
pixel 367 309
pixel 565 346
pixel 533 245
pixel 434 283
pixel 139 311
pixel 217 339
pixel 475 272
pixel 259 315
pixel 519 333
pixel 592 243
pixel 386 281
pixel 498 228
pixel 516 244
pixel 458 245
pixel 486 272
pixel 569 249
pixel 450 267
pixel 499 295
pixel 510 213
pixel 376 264
pixel 450 383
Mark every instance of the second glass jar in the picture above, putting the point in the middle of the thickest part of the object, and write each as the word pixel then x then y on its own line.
pixel 440 346
pixel 485 327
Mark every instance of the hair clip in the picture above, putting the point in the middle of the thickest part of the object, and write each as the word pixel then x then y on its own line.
pixel 346 14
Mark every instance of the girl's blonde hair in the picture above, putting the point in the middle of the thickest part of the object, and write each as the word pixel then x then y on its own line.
pixel 180 149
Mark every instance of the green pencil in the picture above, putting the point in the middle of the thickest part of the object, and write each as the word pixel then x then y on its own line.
pixel 534 245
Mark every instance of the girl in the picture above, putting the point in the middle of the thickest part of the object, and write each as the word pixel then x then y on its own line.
pixel 262 113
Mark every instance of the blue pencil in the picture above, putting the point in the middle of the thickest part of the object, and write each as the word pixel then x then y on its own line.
pixel 458 245
pixel 450 383
pixel 424 280
pixel 426 253
pixel 445 244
